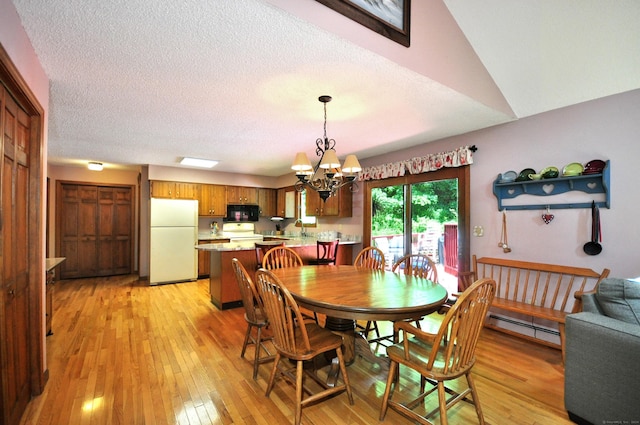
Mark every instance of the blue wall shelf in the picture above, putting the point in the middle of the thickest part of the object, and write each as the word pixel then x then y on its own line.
pixel 589 184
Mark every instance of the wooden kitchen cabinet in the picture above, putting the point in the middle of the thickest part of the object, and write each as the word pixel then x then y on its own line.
pixel 267 199
pixel 212 200
pixel 174 190
pixel 286 202
pixel 335 206
pixel 242 195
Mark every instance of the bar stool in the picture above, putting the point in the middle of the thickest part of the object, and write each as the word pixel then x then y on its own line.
pixel 326 252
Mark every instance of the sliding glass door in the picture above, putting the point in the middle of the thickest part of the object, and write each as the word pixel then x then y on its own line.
pixel 421 214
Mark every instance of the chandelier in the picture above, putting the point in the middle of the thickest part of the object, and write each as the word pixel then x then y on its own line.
pixel 327 176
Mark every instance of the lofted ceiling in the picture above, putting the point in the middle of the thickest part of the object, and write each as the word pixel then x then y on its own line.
pixel 140 82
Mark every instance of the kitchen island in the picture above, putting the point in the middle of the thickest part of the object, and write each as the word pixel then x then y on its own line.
pixel 223 287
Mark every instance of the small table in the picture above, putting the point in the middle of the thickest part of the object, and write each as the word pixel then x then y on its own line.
pixel 348 293
pixel 50 264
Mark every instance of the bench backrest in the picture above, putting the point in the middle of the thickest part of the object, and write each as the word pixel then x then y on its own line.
pixel 543 285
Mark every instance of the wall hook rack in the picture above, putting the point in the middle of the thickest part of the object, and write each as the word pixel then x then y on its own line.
pixel 589 184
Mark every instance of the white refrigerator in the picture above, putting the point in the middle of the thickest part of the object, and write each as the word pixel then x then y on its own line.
pixel 173 238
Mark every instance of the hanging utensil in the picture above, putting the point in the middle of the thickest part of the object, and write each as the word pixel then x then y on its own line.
pixel 593 247
pixel 504 238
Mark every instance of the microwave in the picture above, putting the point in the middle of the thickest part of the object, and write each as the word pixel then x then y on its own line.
pixel 242 213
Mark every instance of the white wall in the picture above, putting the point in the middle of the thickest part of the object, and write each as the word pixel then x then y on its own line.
pixel 605 129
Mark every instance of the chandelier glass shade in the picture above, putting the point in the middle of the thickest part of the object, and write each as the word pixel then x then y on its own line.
pixel 327 176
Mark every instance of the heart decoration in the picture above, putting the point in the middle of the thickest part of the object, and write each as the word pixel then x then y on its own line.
pixel 548 188
pixel 547 217
pixel 592 185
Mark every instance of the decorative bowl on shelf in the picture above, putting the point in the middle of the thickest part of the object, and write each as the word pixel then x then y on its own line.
pixel 524 174
pixel 550 173
pixel 508 177
pixel 594 167
pixel 573 169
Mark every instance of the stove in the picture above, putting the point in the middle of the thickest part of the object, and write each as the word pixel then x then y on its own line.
pixel 241 232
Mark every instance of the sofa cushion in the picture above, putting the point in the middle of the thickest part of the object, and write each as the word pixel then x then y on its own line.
pixel 620 299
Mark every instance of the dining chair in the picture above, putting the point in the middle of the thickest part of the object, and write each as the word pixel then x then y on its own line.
pixel 299 341
pixel 281 257
pixel 326 252
pixel 261 249
pixel 253 315
pixel 418 265
pixel 371 258
pixel 440 357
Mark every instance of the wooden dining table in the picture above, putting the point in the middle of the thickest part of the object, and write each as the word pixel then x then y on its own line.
pixel 347 293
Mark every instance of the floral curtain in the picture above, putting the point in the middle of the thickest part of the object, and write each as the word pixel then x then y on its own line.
pixel 423 164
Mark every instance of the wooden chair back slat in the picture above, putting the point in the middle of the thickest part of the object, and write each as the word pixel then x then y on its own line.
pixel 370 257
pixel 417 265
pixel 461 327
pixel 283 313
pixel 281 257
pixel 248 292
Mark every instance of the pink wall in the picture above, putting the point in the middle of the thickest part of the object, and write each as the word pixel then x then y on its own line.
pixel 605 129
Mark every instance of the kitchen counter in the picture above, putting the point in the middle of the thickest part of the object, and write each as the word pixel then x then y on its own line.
pixel 223 287
pixel 250 245
pixel 210 237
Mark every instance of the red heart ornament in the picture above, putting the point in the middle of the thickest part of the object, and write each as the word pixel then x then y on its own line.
pixel 547 218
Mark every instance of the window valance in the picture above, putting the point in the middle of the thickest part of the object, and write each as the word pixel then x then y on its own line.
pixel 422 164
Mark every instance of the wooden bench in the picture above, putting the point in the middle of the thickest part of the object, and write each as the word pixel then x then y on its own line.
pixel 544 291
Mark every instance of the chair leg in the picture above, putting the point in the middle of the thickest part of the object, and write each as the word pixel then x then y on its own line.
pixel 476 401
pixel 272 377
pixel 442 402
pixel 256 359
pixel 345 377
pixel 388 390
pixel 247 335
pixel 299 373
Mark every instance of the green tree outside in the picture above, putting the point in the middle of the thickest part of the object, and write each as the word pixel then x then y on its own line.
pixel 434 204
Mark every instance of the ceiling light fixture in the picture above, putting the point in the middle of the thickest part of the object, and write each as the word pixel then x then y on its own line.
pixel 327 176
pixel 195 162
pixel 95 166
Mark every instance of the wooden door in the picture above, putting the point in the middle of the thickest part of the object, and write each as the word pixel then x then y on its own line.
pixel 114 243
pixel 14 295
pixel 94 230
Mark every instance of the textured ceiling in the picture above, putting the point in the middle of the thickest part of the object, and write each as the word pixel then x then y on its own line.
pixel 147 82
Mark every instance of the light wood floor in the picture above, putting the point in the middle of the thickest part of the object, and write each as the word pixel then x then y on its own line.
pixel 123 352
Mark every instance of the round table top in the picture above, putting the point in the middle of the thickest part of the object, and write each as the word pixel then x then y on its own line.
pixel 361 294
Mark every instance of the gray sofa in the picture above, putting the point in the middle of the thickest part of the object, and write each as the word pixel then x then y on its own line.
pixel 602 365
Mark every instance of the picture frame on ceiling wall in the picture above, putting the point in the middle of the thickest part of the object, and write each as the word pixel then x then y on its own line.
pixel 390 18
